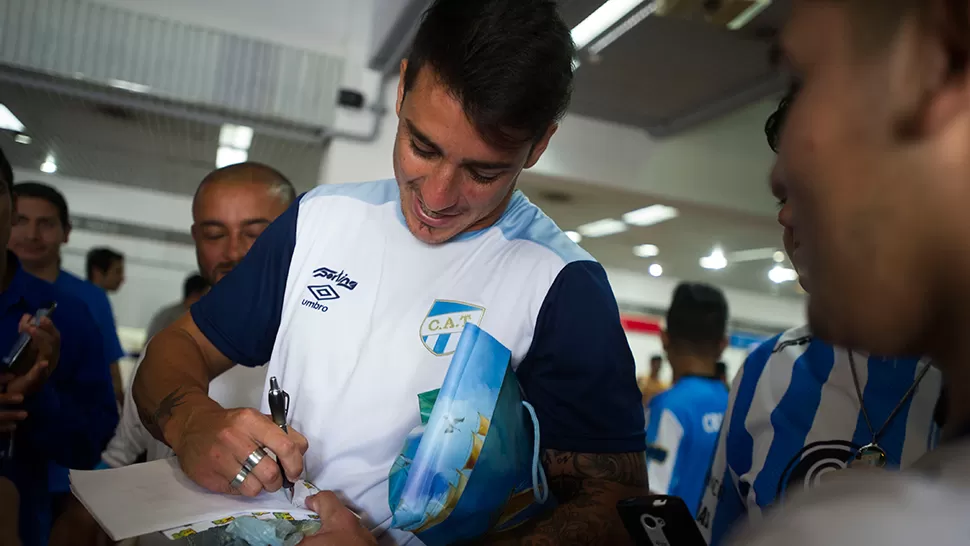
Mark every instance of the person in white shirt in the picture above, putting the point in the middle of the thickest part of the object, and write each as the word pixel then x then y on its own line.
pixel 358 293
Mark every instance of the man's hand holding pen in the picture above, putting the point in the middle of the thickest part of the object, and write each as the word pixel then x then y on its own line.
pixel 214 444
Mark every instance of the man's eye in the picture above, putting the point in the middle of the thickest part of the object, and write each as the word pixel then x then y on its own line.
pixel 483 178
pixel 422 152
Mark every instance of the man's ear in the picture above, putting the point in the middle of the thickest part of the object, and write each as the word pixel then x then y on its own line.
pixel 540 146
pixel 942 66
pixel 724 345
pixel 67 233
pixel 664 339
pixel 194 230
pixel 400 87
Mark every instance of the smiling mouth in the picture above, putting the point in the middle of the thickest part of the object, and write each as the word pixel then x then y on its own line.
pixel 430 218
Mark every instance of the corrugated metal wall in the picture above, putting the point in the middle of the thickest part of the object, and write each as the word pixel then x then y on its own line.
pixel 79 39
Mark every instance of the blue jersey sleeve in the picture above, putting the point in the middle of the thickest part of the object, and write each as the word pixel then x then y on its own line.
pixel 241 313
pixel 665 436
pixel 74 414
pixel 579 372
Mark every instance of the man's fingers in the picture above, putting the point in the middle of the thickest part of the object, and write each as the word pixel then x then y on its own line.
pixel 268 474
pixel 12 416
pixel 11 398
pixel 32 378
pixel 289 446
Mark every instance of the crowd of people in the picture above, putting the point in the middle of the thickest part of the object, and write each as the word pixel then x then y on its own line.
pixel 873 158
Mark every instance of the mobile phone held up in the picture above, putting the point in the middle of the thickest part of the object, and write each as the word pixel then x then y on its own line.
pixel 660 520
pixel 16 362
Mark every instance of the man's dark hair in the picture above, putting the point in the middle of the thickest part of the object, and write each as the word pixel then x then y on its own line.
pixel 720 370
pixel 776 121
pixel 697 319
pixel 509 62
pixel 6 173
pixel 38 190
pixel 194 284
pixel 101 259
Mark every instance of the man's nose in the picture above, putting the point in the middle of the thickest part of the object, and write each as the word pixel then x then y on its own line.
pixel 439 190
pixel 238 247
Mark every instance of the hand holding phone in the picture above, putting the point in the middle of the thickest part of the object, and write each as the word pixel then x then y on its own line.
pixel 660 520
pixel 34 355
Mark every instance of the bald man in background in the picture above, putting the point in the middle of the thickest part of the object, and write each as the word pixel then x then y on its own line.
pixel 231 208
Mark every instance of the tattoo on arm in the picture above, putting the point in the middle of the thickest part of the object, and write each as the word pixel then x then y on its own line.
pixel 587 487
pixel 155 420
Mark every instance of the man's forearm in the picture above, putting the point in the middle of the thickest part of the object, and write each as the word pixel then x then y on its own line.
pixel 587 487
pixel 172 376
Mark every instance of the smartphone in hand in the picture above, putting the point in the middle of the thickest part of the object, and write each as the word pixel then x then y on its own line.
pixel 660 520
pixel 16 361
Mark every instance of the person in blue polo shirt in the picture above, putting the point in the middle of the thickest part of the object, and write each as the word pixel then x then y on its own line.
pixel 683 422
pixel 63 410
pixel 356 297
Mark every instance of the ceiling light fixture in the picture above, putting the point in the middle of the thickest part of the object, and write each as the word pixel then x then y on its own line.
pixel 236 136
pixel 621 29
pixel 716 260
pixel 646 251
pixel 747 15
pixel 129 86
pixel 226 156
pixel 22 139
pixel 779 257
pixel 752 255
pixel 648 216
pixel 9 121
pixel 601 228
pixel 780 274
pixel 601 20
pixel 656 270
pixel 49 166
pixel 574 237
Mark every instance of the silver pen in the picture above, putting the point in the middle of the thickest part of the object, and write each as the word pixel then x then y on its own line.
pixel 279 406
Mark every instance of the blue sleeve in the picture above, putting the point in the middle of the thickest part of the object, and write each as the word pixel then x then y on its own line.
pixel 74 414
pixel 105 318
pixel 241 313
pixel 579 372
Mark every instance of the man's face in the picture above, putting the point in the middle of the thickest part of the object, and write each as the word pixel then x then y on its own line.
pixel 868 211
pixel 37 233
pixel 788 238
pixel 451 180
pixel 228 217
pixel 112 278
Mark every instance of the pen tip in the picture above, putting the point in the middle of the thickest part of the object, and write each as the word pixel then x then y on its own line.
pixel 273 384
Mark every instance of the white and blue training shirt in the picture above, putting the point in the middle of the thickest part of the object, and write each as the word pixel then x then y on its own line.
pixel 356 317
pixel 683 423
pixel 794 415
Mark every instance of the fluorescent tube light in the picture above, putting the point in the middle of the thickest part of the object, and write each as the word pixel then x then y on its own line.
pixel 601 228
pixel 747 15
pixel 602 19
pixel 651 215
pixel 621 29
pixel 9 121
pixel 715 261
pixel 780 274
pixel 646 251
pixel 226 156
pixel 236 136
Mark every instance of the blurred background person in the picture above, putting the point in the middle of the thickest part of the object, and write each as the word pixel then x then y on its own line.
pixel 684 421
pixel 105 268
pixel 651 385
pixel 231 208
pixel 195 287
pixel 801 408
pixel 59 410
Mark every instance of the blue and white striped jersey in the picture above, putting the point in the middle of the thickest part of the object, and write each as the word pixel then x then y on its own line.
pixel 683 423
pixel 794 415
